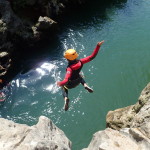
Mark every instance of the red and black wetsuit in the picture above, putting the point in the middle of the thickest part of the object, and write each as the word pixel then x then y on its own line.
pixel 73 70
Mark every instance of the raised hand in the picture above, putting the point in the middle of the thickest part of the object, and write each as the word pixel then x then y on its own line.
pixel 100 43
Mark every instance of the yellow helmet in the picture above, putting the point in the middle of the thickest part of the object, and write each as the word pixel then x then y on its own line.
pixel 70 54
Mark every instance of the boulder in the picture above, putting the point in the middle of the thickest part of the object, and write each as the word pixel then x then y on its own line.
pixel 42 136
pixel 44 23
pixel 125 139
pixel 128 128
pixel 131 116
pixel 5 63
pixel 43 27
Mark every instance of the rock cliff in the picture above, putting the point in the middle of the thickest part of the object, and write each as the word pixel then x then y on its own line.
pixel 29 21
pixel 42 136
pixel 127 128
pixel 25 24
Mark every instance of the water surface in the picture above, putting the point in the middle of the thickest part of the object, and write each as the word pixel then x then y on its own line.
pixel 117 74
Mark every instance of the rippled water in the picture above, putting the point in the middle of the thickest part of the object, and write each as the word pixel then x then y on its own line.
pixel 117 75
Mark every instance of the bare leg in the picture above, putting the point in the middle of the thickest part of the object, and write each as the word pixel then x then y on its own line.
pixel 66 99
pixel 86 86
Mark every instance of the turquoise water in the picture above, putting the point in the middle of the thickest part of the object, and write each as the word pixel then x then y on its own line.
pixel 117 74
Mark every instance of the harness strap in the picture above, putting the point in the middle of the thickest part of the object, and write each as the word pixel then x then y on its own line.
pixel 72 64
pixel 66 87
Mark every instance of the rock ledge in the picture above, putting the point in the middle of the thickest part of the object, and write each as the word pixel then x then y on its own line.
pixel 42 136
pixel 127 128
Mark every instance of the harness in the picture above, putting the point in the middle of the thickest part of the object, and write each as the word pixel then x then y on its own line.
pixel 75 73
pixel 75 78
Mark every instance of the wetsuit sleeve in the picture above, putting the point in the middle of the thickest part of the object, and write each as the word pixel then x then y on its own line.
pixel 92 56
pixel 67 76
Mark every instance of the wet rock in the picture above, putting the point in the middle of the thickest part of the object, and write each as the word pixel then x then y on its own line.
pixel 5 63
pixel 42 136
pixel 45 23
pixel 44 26
pixel 25 24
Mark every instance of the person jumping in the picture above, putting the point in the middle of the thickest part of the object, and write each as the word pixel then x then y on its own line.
pixel 73 76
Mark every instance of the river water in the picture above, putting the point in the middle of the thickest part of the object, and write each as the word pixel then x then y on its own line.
pixel 117 75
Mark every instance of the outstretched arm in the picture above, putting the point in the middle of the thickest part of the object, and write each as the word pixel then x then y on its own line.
pixel 66 79
pixel 93 55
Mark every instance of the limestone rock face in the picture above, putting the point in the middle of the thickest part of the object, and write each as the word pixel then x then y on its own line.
pixel 42 136
pixel 129 127
pixel 120 119
pixel 126 139
pixel 44 26
pixel 131 116
pixel 5 64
